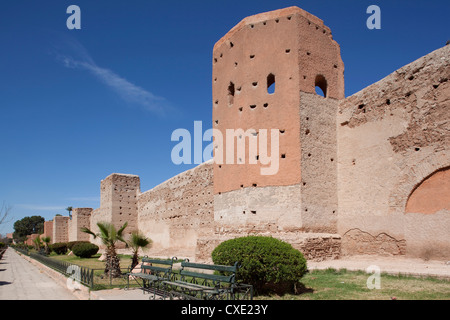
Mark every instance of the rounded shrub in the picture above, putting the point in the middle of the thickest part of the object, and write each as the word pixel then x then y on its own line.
pixel 269 264
pixel 85 250
pixel 70 244
pixel 59 248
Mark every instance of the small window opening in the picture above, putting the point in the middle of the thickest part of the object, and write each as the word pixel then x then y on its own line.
pixel 271 83
pixel 231 92
pixel 321 85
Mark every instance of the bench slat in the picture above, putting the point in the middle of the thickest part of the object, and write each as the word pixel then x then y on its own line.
pixel 156 261
pixel 216 267
pixel 155 268
pixel 214 277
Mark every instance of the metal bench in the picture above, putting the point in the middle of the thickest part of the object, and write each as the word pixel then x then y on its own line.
pixel 152 273
pixel 197 281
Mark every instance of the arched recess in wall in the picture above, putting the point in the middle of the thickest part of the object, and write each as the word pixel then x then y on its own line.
pixel 432 194
pixel 411 177
pixel 321 85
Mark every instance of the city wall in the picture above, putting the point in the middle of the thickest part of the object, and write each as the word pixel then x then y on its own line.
pixel 366 174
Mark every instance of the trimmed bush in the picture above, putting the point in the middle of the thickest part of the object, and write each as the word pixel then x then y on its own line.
pixel 85 250
pixel 270 265
pixel 70 244
pixel 59 248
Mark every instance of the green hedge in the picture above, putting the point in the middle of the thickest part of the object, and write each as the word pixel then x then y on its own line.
pixel 85 250
pixel 59 248
pixel 70 244
pixel 270 265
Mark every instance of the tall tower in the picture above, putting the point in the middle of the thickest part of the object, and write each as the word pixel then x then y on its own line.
pixel 118 201
pixel 265 74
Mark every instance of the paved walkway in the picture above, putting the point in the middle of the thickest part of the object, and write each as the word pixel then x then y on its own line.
pixel 21 280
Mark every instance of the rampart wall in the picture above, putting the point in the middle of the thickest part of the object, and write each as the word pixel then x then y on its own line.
pixel 393 136
pixel 367 174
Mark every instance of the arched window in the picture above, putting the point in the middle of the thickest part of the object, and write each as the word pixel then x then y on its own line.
pixel 321 85
pixel 271 83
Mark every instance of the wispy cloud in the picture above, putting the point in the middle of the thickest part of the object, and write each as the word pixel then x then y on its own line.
pixel 40 207
pixel 129 92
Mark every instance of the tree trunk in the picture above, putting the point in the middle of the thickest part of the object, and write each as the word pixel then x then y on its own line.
pixel 112 267
pixel 134 260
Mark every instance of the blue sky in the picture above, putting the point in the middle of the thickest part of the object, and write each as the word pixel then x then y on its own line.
pixel 78 105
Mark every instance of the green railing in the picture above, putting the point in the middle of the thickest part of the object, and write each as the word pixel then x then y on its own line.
pixel 80 274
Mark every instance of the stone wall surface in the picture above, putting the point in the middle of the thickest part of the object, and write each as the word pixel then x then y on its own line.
pixel 391 137
pixel 60 229
pixel 81 217
pixel 179 211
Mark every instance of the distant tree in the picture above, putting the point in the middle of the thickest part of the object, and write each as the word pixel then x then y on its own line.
pixel 46 241
pixel 70 211
pixel 28 226
pixel 37 243
pixel 4 213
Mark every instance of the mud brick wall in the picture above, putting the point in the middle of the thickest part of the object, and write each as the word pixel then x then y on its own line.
pixel 394 146
pixel 179 211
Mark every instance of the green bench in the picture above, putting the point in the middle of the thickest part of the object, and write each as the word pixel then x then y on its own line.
pixel 196 281
pixel 152 273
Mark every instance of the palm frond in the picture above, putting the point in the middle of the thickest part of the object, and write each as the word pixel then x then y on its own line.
pixel 86 230
pixel 120 231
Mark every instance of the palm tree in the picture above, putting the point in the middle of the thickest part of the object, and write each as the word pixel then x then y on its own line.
pixel 137 240
pixel 46 241
pixel 37 243
pixel 70 211
pixel 109 236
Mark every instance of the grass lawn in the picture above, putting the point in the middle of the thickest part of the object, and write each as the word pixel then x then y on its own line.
pixel 333 284
pixel 93 262
pixel 101 282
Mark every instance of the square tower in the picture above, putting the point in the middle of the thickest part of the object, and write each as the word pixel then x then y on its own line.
pixel 118 199
pixel 265 74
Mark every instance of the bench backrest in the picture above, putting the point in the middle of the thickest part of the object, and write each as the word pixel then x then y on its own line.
pixel 157 267
pixel 230 271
